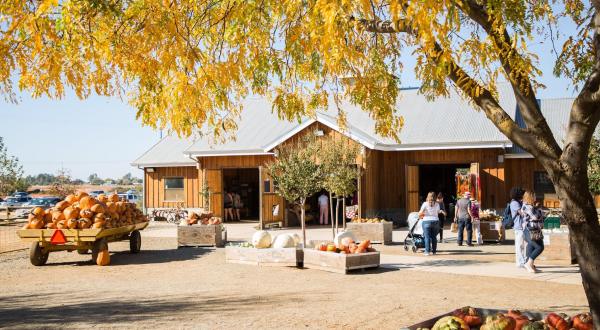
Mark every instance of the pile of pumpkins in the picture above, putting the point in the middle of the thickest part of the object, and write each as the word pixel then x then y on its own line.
pixel 345 243
pixel 263 240
pixel 201 219
pixel 369 220
pixel 81 211
pixel 467 318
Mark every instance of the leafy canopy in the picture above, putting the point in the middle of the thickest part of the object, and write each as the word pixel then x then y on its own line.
pixel 11 172
pixel 340 171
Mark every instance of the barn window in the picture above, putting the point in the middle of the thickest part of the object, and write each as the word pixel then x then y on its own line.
pixel 174 190
pixel 542 184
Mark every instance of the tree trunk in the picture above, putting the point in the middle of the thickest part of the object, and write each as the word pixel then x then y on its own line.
pixel 337 213
pixel 331 217
pixel 344 214
pixel 302 222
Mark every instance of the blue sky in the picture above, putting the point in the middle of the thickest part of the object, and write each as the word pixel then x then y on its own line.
pixel 100 135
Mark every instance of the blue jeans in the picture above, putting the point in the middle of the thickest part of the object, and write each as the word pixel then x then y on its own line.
pixel 462 224
pixel 430 229
pixel 534 247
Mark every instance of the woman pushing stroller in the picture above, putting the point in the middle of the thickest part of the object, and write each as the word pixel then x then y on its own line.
pixel 430 211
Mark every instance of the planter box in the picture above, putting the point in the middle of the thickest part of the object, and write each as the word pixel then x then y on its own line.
pixel 340 263
pixel 482 311
pixel 557 248
pixel 491 231
pixel 282 257
pixel 375 232
pixel 201 235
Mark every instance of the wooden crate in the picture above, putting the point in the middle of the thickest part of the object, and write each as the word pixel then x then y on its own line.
pixel 340 263
pixel 491 231
pixel 375 232
pixel 557 248
pixel 282 257
pixel 201 235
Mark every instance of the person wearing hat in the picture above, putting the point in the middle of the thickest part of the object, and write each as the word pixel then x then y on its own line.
pixel 475 208
pixel 462 216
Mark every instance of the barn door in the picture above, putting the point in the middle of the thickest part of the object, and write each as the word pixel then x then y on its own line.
pixel 214 179
pixel 272 205
pixel 412 188
pixel 475 181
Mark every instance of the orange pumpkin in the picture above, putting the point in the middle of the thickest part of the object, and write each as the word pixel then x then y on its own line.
pixel 38 211
pixel 99 217
pixel 37 224
pixel 113 198
pixel 31 217
pixel 57 216
pixel 51 225
pixel 87 214
pixel 71 199
pixel 103 258
pixel 48 217
pixel 72 223
pixel 98 224
pixel 87 202
pixel 362 247
pixel 112 207
pixel 62 224
pixel 71 212
pixel 80 195
pixel 102 198
pixel 98 208
pixel 26 226
pixel 84 223
pixel 61 206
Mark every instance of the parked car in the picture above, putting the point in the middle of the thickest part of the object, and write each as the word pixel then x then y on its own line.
pixel 20 194
pixel 43 202
pixel 15 201
pixel 129 197
pixel 95 193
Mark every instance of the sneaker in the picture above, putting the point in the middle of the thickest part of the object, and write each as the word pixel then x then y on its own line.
pixel 426 254
pixel 520 266
pixel 529 269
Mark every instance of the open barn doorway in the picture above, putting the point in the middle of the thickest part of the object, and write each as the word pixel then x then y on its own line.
pixel 439 178
pixel 245 183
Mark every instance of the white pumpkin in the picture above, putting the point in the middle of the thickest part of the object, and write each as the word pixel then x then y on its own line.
pixel 296 238
pixel 284 241
pixel 340 236
pixel 261 239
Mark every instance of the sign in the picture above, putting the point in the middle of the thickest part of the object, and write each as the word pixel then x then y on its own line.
pixel 275 210
pixel 58 237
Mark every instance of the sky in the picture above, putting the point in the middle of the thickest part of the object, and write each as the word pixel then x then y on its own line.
pixel 101 135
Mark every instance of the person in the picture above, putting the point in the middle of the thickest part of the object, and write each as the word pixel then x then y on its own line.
pixel 516 197
pixel 237 205
pixel 475 220
pixel 430 211
pixel 533 223
pixel 323 201
pixel 462 216
pixel 228 205
pixel 442 216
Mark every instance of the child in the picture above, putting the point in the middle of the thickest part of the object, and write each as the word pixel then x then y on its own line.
pixel 475 220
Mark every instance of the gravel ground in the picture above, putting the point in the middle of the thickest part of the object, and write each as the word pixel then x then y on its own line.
pixel 165 287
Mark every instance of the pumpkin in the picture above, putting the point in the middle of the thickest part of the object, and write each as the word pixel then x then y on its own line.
pixel 51 225
pixel 103 258
pixel 113 198
pixel 344 249
pixel 98 208
pixel 322 247
pixel 100 217
pixel 331 248
pixel 261 239
pixel 71 199
pixel 121 207
pixel 450 323
pixel 38 211
pixel 48 217
pixel 31 217
pixel 557 321
pixel 284 241
pixel 583 321
pixel 98 224
pixel 537 325
pixel 341 236
pixel 498 322
pixel 87 202
pixel 295 236
pixel 62 224
pixel 26 226
pixel 37 224
pixel 102 198
pixel 84 223
pixel 71 212
pixel 81 194
pixel 62 205
pixel 72 223
pixel 520 319
pixel 57 216
pixel 352 247
pixel 85 213
pixel 362 247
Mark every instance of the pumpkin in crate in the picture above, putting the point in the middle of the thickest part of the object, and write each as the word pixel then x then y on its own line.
pixel 38 212
pixel 450 323
pixel 98 224
pixel 111 206
pixel 469 315
pixel 520 319
pixel 31 217
pixel 87 202
pixel 61 206
pixel 71 199
pixel 113 198
pixel 81 194
pixel 37 224
pixel 72 223
pixel 98 208
pixel 62 224
pixel 57 216
pixel 84 223
pixel 284 241
pixel 51 225
pixel 558 321
pixel 103 258
pixel 102 198
pixel 499 322
pixel 71 212
pixel 583 321
pixel 87 214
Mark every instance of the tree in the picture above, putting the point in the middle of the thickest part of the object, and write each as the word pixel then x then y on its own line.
pixel 340 173
pixel 62 186
pixel 11 171
pixel 594 165
pixel 296 175
pixel 194 62
pixel 95 179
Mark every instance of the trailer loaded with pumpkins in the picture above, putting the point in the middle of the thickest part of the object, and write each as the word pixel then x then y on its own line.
pixel 83 223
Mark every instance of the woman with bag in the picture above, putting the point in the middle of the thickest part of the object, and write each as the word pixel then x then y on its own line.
pixel 475 221
pixel 430 210
pixel 533 223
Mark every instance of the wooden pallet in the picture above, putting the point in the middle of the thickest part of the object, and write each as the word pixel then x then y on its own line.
pixel 279 257
pixel 201 235
pixel 340 263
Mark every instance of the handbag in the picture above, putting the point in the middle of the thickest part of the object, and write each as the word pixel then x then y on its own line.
pixel 454 227
pixel 536 234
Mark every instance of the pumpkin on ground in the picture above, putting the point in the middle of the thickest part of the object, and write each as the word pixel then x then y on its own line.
pixel 261 239
pixel 103 258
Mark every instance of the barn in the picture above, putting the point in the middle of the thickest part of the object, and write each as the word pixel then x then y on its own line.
pixel 439 139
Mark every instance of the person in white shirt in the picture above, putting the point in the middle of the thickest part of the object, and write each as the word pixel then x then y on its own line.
pixel 323 209
pixel 430 211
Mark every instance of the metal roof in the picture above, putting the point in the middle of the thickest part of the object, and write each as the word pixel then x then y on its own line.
pixel 443 123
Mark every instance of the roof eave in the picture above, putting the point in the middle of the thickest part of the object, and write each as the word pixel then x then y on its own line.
pixel 444 146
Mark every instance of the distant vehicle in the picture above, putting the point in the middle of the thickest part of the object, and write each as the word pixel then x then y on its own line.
pixel 129 197
pixel 20 194
pixel 15 201
pixel 43 202
pixel 95 193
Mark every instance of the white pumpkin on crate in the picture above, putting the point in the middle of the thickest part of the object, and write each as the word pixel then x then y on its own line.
pixel 284 241
pixel 343 238
pixel 261 239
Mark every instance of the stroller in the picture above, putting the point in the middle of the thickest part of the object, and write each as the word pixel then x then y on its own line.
pixel 414 239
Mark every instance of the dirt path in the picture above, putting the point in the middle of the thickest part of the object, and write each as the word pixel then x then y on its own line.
pixel 163 287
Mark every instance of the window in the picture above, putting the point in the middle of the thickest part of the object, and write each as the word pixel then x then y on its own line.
pixel 542 184
pixel 174 190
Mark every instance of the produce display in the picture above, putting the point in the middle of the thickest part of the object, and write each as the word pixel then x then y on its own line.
pixel 369 220
pixel 344 243
pixel 466 318
pixel 489 215
pixel 202 219
pixel 81 211
pixel 262 239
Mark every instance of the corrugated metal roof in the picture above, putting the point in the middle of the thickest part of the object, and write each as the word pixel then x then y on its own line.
pixel 168 151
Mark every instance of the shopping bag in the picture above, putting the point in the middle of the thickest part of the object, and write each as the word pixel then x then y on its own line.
pixel 454 227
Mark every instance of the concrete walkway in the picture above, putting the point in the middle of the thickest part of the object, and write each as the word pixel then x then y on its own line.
pixel 475 262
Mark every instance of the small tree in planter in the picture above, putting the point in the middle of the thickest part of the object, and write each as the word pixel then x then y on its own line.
pixel 297 175
pixel 340 174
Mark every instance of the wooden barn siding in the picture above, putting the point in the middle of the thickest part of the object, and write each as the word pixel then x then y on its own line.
pixel 155 185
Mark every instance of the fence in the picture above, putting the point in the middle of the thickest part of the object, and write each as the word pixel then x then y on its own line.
pixel 9 224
